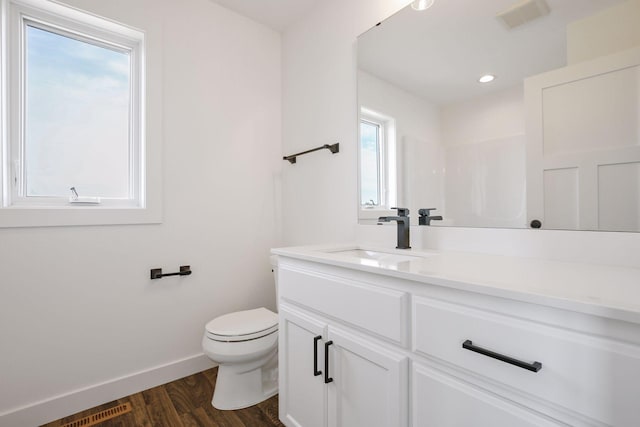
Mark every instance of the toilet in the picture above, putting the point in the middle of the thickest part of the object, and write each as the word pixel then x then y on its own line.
pixel 245 346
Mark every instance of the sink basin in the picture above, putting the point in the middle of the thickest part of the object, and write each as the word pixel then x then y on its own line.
pixel 382 257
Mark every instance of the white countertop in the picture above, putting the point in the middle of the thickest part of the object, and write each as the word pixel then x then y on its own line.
pixel 602 290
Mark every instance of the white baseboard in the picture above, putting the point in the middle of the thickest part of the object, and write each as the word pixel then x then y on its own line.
pixel 78 400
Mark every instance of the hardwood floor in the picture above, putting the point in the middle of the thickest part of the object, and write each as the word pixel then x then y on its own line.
pixel 183 403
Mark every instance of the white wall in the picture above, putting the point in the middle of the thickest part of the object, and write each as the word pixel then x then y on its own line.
pixel 319 193
pixel 77 308
pixel 612 30
pixel 494 115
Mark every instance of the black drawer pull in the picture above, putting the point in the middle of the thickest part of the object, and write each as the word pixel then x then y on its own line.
pixel 315 356
pixel 327 379
pixel 534 367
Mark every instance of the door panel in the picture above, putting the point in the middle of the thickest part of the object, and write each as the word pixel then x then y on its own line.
pixel 370 383
pixel 303 397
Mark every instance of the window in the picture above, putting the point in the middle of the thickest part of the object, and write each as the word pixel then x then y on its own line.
pixel 377 162
pixel 370 163
pixel 73 115
pixel 77 117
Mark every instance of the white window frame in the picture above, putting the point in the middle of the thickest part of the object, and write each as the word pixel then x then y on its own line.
pixel 381 162
pixel 387 165
pixel 16 209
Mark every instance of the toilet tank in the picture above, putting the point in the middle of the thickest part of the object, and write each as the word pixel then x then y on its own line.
pixel 274 268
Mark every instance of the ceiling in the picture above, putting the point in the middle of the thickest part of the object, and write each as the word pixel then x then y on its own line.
pixel 441 52
pixel 277 14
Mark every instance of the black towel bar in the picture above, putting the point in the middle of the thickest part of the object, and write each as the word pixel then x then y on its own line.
pixel 156 273
pixel 334 148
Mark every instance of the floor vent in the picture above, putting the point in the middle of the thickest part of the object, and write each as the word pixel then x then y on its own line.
pixel 101 416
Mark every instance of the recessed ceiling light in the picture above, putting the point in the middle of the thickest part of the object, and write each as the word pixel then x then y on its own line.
pixel 487 78
pixel 422 4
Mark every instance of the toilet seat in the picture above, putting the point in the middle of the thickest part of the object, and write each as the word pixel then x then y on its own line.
pixel 242 325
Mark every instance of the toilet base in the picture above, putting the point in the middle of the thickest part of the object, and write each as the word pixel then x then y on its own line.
pixel 245 384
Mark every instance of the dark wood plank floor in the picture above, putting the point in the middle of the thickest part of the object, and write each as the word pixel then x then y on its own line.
pixel 183 403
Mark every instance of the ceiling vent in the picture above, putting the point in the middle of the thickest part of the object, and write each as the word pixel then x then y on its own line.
pixel 523 12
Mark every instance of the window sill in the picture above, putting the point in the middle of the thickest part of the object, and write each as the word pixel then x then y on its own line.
pixel 375 213
pixel 17 216
pixel 62 203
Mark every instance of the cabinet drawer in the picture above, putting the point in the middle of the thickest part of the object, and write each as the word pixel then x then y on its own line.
pixel 443 401
pixel 378 310
pixel 595 377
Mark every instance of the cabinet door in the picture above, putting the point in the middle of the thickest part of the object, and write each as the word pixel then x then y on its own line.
pixel 443 401
pixel 303 397
pixel 369 384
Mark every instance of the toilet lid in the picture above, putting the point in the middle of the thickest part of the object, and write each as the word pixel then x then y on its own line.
pixel 243 325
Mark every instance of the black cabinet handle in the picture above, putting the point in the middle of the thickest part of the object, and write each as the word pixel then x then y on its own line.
pixel 327 379
pixel 315 356
pixel 534 367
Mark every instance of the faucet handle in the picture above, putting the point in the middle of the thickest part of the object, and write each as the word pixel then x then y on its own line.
pixel 426 217
pixel 425 211
pixel 402 211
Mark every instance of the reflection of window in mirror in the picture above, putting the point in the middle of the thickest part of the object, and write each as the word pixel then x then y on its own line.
pixel 377 161
pixel 371 135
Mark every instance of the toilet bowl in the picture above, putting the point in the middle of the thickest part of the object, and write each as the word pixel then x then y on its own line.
pixel 245 346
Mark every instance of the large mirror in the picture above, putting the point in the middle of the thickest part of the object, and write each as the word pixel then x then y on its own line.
pixel 503 113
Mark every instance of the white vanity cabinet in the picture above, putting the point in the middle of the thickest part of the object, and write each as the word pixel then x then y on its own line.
pixel 406 352
pixel 331 374
pixel 332 377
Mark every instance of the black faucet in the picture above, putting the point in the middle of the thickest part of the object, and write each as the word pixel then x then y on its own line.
pixel 403 226
pixel 426 218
